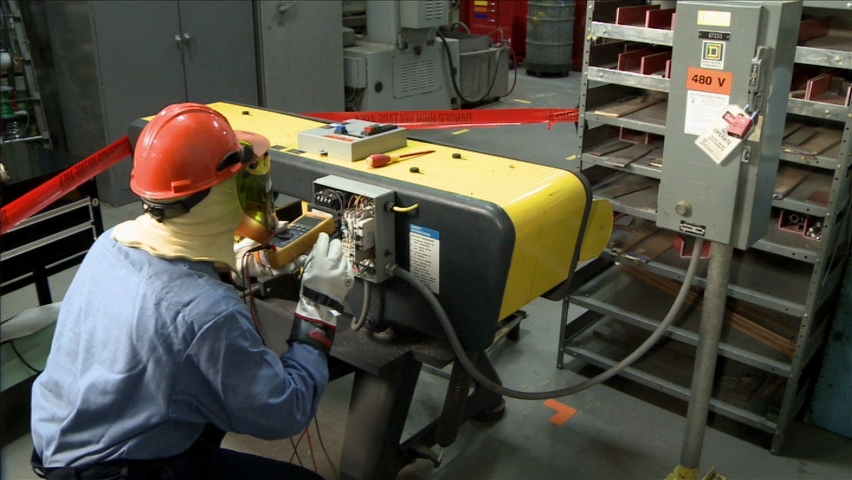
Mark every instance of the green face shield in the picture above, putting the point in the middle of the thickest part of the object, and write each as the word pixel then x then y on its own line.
pixel 254 188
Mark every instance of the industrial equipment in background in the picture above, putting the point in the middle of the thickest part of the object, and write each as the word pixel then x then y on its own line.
pixel 21 112
pixel 501 21
pixel 404 61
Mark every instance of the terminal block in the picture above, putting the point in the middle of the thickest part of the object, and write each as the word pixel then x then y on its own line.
pixel 366 223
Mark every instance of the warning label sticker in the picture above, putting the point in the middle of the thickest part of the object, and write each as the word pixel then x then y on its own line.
pixel 425 255
pixel 702 109
pixel 709 81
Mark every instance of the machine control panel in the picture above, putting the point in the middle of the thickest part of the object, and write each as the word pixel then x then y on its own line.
pixel 366 223
pixel 352 140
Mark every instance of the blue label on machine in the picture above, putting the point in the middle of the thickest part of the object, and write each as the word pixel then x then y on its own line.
pixel 427 232
pixel 425 256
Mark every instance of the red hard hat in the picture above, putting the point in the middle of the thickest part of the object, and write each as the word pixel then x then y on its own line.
pixel 187 148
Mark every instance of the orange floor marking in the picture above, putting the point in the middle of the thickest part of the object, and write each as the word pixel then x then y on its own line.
pixel 563 412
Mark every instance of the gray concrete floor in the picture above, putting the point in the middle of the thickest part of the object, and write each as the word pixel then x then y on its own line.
pixel 621 431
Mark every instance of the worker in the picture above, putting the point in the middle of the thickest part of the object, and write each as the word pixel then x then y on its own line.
pixel 154 356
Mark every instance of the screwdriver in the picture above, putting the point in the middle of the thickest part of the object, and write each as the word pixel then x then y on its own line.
pixel 380 159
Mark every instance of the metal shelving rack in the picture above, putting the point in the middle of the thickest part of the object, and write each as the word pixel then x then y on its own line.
pixel 786 276
pixel 23 84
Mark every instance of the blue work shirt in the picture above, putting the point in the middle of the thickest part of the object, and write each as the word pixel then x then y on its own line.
pixel 148 350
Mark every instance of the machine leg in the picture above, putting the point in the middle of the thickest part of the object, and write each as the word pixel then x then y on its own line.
pixel 377 413
pixel 455 402
pixel 712 318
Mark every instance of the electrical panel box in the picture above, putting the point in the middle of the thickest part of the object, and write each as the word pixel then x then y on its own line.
pixel 728 56
pixel 352 140
pixel 366 223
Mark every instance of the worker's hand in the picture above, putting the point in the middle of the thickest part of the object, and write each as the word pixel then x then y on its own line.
pixel 327 280
pixel 254 261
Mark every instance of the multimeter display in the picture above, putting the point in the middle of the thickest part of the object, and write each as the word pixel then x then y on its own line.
pixel 299 237
pixel 296 229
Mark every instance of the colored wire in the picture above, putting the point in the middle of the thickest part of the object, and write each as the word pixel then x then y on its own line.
pixel 295 448
pixel 295 452
pixel 322 444
pixel 406 209
pixel 311 448
pixel 247 281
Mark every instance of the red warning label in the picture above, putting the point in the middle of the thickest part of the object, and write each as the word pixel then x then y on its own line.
pixel 710 81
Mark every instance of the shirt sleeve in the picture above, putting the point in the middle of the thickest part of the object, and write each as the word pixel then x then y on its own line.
pixel 229 378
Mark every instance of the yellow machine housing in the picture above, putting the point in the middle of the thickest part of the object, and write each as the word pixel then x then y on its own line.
pixel 508 228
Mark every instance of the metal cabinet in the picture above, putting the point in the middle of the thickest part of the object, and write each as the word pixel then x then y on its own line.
pixel 301 54
pixel 118 59
pixel 783 290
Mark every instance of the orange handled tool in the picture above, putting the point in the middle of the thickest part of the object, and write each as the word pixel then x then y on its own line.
pixel 380 159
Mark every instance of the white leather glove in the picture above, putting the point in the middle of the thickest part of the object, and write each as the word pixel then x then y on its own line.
pixel 327 279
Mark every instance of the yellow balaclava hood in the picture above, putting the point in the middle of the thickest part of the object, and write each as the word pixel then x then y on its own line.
pixel 205 233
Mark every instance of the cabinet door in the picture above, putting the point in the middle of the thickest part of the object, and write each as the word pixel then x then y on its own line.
pixel 140 72
pixel 218 51
pixel 302 55
pixel 140 65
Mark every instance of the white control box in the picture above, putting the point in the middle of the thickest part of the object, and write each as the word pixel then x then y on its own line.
pixel 353 140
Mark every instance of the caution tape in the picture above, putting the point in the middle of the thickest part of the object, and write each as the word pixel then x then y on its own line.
pixel 42 196
pixel 437 119
pixel 35 200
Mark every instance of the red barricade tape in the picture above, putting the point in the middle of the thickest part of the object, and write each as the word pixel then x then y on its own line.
pixel 33 201
pixel 42 196
pixel 435 119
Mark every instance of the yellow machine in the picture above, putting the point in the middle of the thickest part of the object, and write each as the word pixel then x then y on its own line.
pixel 488 234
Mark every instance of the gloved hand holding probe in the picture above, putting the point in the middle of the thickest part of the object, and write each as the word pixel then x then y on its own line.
pixel 254 260
pixel 327 280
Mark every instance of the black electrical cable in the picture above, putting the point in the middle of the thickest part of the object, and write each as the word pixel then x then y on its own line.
pixel 486 382
pixel 462 24
pixel 515 81
pixel 21 358
pixel 612 371
pixel 453 74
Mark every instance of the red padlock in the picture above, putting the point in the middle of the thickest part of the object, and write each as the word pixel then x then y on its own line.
pixel 740 126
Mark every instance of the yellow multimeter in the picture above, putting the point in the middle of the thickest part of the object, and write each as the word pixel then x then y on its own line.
pixel 299 238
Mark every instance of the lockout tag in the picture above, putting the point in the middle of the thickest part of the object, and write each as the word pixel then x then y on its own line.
pixel 715 141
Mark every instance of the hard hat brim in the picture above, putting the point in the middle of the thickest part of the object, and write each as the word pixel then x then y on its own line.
pixel 259 143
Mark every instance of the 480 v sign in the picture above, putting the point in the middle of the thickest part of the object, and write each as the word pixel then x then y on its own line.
pixel 712 81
